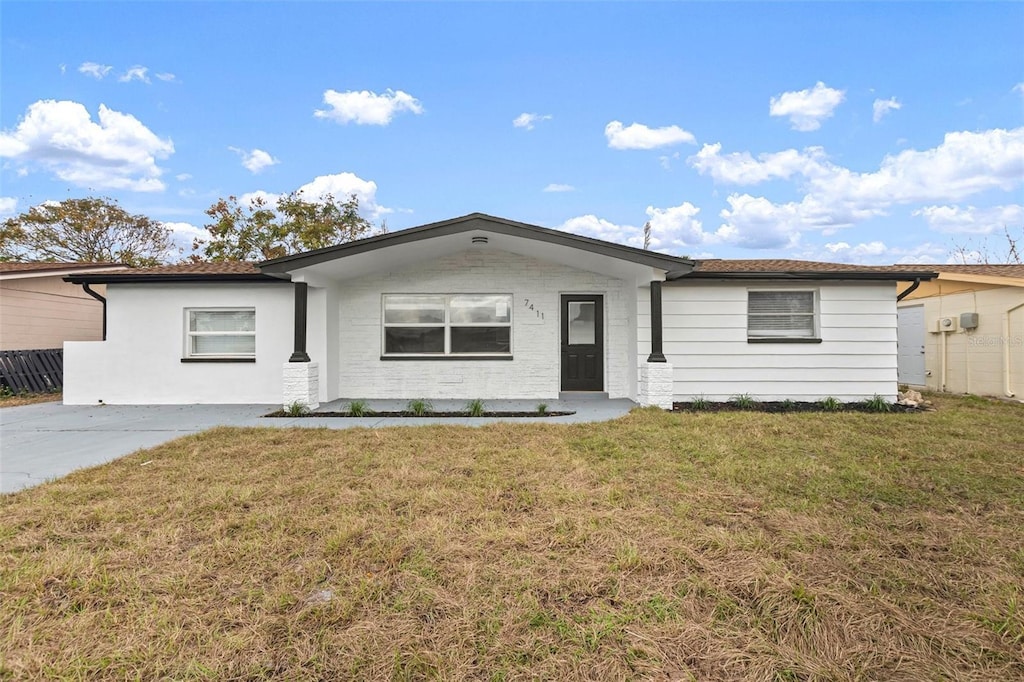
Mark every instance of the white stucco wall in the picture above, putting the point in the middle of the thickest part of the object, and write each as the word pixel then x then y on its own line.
pixel 534 373
pixel 140 362
pixel 705 339
pixel 975 360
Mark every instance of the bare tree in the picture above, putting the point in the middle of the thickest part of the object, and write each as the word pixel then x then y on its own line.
pixel 970 252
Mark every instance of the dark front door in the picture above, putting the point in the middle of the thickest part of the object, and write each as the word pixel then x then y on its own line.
pixel 582 343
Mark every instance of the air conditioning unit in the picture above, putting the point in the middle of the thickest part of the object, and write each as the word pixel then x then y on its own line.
pixel 946 324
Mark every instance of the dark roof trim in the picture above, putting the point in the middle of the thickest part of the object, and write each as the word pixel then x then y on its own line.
pixel 878 276
pixel 468 223
pixel 177 278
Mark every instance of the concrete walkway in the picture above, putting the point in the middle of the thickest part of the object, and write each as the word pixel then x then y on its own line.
pixel 49 440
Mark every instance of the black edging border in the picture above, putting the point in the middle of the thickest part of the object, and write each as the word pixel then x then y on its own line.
pixel 281 414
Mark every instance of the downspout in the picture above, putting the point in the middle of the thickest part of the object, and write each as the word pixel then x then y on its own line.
pixel 909 290
pixel 1006 350
pixel 85 287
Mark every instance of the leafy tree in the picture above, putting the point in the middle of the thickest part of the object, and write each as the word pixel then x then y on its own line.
pixel 90 230
pixel 260 232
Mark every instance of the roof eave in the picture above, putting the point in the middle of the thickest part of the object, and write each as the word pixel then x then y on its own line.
pixel 178 278
pixel 829 275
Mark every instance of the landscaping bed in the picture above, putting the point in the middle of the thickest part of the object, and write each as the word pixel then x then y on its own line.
pixel 417 415
pixel 782 407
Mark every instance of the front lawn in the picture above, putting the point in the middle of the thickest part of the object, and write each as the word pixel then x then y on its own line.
pixel 10 399
pixel 665 546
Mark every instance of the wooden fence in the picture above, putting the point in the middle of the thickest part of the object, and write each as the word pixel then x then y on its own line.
pixel 32 371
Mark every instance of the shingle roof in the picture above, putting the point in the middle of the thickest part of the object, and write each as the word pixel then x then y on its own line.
pixel 229 271
pixel 220 268
pixel 987 270
pixel 44 267
pixel 782 265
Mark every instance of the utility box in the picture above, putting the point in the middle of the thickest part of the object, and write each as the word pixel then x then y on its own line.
pixel 946 324
pixel 968 320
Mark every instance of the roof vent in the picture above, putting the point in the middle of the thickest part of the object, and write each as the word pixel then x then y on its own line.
pixel 480 239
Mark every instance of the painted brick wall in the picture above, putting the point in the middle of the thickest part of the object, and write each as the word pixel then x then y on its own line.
pixel 535 371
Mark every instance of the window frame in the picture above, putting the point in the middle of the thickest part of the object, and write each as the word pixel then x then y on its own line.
pixel 814 334
pixel 447 326
pixel 187 353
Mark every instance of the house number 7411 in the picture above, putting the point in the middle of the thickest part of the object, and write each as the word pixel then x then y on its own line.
pixel 529 306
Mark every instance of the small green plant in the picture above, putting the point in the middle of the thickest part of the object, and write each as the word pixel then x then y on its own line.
pixel 475 408
pixel 877 403
pixel 542 408
pixel 830 404
pixel 788 405
pixel 296 408
pixel 700 403
pixel 419 407
pixel 743 401
pixel 358 408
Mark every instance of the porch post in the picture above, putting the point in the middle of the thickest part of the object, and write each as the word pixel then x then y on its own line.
pixel 655 380
pixel 299 353
pixel 657 355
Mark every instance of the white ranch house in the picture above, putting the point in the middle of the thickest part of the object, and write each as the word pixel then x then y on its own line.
pixel 483 307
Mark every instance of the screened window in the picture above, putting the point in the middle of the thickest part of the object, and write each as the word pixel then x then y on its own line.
pixel 447 325
pixel 220 333
pixel 780 315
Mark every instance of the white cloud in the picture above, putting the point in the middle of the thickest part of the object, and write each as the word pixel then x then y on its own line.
pixel 63 69
pixel 876 253
pixel 806 109
pixel 115 152
pixel 673 230
pixel 556 187
pixel 136 73
pixel 741 168
pixel 8 206
pixel 166 77
pixel 971 220
pixel 365 107
pixel 97 71
pixel 256 160
pixel 527 121
pixel 182 177
pixel 1018 88
pixel 340 185
pixel 966 163
pixel 639 136
pixel 667 159
pixel 881 107
pixel 184 234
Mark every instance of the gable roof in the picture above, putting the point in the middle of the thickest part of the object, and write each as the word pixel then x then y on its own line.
pixel 479 222
pixel 781 268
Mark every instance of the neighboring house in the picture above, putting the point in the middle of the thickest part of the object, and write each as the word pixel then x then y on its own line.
pixel 964 331
pixel 482 307
pixel 38 309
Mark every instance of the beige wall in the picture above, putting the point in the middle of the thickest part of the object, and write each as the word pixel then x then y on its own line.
pixel 974 360
pixel 44 312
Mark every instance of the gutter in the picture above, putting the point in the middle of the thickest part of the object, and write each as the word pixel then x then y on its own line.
pixel 909 290
pixel 101 299
pixel 807 275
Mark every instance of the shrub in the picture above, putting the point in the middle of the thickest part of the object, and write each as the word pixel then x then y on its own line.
pixel 877 403
pixel 743 401
pixel 419 407
pixel 542 408
pixel 296 408
pixel 475 408
pixel 830 404
pixel 700 403
pixel 358 408
pixel 788 405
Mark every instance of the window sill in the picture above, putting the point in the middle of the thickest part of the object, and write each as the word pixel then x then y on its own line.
pixel 446 358
pixel 218 359
pixel 795 339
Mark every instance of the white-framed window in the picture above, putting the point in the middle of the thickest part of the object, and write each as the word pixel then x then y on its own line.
pixel 220 333
pixel 782 314
pixel 443 325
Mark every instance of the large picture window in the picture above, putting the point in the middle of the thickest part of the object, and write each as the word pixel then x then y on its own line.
pixel 447 325
pixel 217 333
pixel 781 315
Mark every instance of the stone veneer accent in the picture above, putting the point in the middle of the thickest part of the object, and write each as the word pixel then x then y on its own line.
pixel 655 385
pixel 301 384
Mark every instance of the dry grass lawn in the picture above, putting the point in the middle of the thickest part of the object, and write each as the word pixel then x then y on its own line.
pixel 19 399
pixel 732 546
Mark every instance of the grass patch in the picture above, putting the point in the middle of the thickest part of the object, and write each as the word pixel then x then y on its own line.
pixel 696 545
pixel 9 399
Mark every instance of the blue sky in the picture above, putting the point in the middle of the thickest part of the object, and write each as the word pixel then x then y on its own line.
pixel 866 132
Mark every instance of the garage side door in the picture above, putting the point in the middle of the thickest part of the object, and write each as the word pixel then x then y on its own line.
pixel 910 345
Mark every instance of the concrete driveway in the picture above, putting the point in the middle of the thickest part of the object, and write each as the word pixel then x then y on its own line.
pixel 49 440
